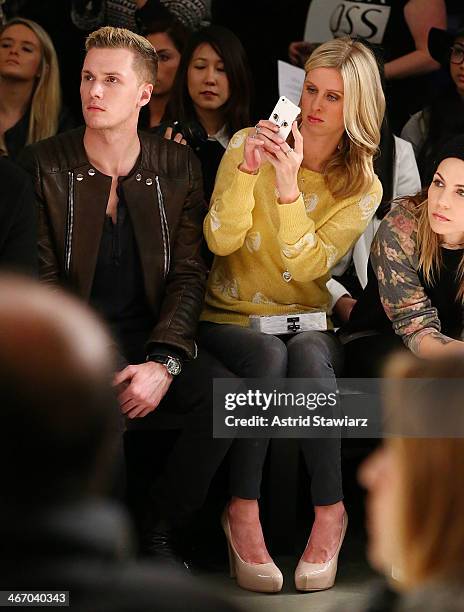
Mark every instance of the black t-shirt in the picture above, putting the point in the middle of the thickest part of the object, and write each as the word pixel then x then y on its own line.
pixel 16 136
pixel 118 291
pixel 369 316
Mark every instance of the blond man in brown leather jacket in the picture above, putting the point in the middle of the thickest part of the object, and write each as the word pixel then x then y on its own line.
pixel 120 217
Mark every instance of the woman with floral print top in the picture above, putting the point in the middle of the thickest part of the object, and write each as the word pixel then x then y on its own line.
pixel 415 274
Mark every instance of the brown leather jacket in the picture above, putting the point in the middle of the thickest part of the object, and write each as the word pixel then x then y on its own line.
pixel 165 201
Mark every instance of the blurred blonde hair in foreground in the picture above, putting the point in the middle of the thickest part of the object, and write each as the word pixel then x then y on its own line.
pixel 429 540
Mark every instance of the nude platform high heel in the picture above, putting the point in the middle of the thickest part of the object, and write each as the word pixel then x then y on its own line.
pixel 260 577
pixel 319 576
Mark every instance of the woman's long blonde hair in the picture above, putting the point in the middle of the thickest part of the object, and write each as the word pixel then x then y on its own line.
pixel 430 505
pixel 46 97
pixel 350 170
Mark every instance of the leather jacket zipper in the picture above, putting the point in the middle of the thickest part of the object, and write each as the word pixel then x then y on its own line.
pixel 164 229
pixel 69 224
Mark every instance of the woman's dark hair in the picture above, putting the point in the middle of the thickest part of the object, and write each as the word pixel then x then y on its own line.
pixel 384 167
pixel 444 119
pixel 168 25
pixel 164 23
pixel 384 161
pixel 229 48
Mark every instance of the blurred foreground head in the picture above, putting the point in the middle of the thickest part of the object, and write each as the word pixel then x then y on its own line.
pixel 58 415
pixel 415 484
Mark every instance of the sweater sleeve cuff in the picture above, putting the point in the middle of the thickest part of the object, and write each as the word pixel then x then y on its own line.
pixel 336 290
pixel 243 184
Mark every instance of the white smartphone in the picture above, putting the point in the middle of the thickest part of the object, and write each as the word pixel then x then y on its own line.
pixel 284 114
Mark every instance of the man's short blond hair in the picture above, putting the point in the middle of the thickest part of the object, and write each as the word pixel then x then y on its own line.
pixel 145 57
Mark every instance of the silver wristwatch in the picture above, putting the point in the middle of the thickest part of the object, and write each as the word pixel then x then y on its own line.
pixel 172 364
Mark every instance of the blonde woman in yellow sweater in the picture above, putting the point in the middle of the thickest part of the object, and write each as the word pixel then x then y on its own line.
pixel 280 218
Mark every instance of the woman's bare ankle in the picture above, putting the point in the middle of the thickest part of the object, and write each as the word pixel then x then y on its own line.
pixel 244 509
pixel 325 533
pixel 246 530
pixel 331 511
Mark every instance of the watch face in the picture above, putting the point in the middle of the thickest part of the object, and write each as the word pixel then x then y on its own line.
pixel 173 366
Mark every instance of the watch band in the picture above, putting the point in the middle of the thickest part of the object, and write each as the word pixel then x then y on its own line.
pixel 172 364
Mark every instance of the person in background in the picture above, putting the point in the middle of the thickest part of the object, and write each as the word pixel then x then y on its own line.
pixel 132 14
pixel 278 22
pixel 68 22
pixel 210 99
pixel 455 13
pixel 30 95
pixel 429 128
pixel 18 224
pixel 415 292
pixel 168 37
pixel 117 13
pixel 59 529
pixel 400 28
pixel 420 553
pixel 397 171
pixel 166 30
pixel 192 14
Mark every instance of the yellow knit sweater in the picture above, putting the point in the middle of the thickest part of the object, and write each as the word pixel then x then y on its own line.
pixel 275 258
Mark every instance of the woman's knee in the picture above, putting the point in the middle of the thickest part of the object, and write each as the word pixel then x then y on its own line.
pixel 247 352
pixel 316 353
pixel 267 356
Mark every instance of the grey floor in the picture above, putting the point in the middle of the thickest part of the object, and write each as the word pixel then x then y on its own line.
pixel 354 579
pixel 351 589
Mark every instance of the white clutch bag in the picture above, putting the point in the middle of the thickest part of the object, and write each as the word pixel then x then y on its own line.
pixel 290 324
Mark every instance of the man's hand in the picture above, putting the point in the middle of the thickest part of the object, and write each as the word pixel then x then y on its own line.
pixel 299 51
pixel 177 138
pixel 343 308
pixel 142 388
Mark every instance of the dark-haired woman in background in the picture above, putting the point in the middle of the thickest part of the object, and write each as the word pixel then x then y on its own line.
pixel 168 36
pixel 210 99
pixel 431 127
pixel 415 290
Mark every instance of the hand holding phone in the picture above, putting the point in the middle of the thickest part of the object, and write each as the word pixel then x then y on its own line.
pixel 270 136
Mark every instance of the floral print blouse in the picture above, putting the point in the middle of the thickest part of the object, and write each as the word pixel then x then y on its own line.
pixel 395 261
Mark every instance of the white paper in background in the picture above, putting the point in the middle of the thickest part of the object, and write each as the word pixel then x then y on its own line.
pixel 328 19
pixel 291 79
